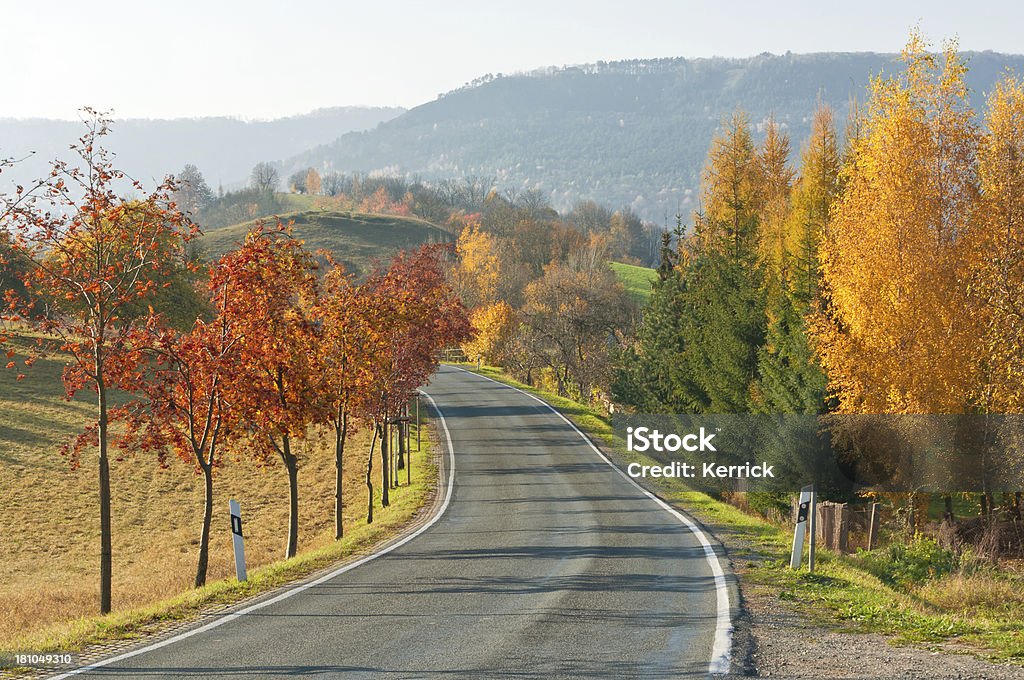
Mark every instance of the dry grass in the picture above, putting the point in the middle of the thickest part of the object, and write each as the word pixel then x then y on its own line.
pixel 49 525
pixel 971 595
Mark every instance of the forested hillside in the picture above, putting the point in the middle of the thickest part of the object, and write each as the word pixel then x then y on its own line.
pixel 623 134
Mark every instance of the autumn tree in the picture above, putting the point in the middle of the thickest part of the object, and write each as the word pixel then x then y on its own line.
pixel 813 197
pixel 998 282
pixel 627 238
pixel 493 326
pixel 724 275
pixel 731 191
pixel 276 385
pixel 313 182
pixel 350 342
pixel 776 177
pixel 790 378
pixel 91 256
pixel 573 313
pixel 420 315
pixel 189 399
pixel 898 332
pixel 478 271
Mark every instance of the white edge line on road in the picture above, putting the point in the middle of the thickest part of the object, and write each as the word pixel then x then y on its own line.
pixel 722 647
pixel 300 588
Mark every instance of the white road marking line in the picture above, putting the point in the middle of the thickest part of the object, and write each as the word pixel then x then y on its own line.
pixel 297 589
pixel 721 648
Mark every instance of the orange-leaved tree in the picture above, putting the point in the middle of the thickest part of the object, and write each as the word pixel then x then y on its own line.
pixel 276 386
pixel 189 399
pixel 899 331
pixel 998 282
pixel 349 340
pixel 92 259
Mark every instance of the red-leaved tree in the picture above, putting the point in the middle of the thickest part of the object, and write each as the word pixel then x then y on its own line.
pixel 417 315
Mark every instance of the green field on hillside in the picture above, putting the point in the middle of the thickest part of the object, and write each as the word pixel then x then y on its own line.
pixel 356 239
pixel 637 280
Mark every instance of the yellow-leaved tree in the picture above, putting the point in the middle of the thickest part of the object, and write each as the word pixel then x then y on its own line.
pixel 998 283
pixel 731 195
pixel 898 330
pixel 813 196
pixel 478 271
pixel 492 327
pixel 776 185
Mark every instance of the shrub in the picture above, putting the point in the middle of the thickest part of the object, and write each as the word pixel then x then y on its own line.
pixel 909 564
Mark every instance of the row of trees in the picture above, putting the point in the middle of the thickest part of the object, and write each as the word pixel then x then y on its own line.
pixel 887 277
pixel 289 342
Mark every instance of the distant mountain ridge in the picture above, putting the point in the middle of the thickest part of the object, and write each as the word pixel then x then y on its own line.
pixel 224 149
pixel 629 133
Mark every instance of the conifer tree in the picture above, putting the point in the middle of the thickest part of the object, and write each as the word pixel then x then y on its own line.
pixel 776 185
pixel 790 377
pixel 813 197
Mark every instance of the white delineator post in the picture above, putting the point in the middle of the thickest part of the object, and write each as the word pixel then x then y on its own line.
pixel 236 537
pixel 812 529
pixel 804 511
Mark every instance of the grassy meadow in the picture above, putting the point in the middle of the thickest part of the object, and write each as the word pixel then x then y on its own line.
pixel 637 280
pixel 49 524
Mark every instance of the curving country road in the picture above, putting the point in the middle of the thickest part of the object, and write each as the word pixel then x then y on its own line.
pixel 546 563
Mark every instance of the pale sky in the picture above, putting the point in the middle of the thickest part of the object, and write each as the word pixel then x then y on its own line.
pixel 266 59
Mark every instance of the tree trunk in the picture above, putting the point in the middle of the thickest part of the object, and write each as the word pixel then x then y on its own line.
pixel 1016 505
pixel 385 473
pixel 204 537
pixel 949 508
pixel 984 505
pixel 105 541
pixel 292 464
pixel 369 478
pixel 340 433
pixel 401 447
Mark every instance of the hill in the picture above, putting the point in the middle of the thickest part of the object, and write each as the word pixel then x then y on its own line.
pixel 224 149
pixel 631 133
pixel 356 239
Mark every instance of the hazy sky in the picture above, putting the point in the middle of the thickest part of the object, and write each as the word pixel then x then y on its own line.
pixel 265 59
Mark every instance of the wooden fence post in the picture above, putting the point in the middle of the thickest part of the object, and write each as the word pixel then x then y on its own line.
pixel 873 526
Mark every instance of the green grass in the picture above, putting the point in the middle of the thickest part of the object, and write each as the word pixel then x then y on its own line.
pixel 981 614
pixel 357 239
pixel 637 280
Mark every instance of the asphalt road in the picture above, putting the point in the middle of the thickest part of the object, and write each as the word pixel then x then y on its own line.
pixel 547 563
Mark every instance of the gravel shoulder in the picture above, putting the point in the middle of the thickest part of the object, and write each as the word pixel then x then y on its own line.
pixel 785 643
